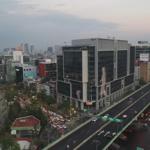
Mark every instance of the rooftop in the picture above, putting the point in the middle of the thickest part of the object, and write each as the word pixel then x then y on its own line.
pixel 28 121
pixel 24 143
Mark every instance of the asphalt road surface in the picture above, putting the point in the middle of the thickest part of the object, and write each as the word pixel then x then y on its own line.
pixel 88 132
pixel 103 139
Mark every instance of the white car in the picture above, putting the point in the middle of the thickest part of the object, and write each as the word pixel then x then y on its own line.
pixel 107 133
pixel 107 115
pixel 64 126
pixel 114 133
pixel 68 146
pixel 94 119
pixel 124 116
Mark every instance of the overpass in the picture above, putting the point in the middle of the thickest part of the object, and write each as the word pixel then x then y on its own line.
pixel 93 134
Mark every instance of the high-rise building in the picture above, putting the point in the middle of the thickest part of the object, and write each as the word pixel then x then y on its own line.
pixel 10 71
pixel 142 50
pixel 18 55
pixel 95 72
pixel 26 48
pixel 2 71
pixel 50 50
pixel 47 69
pixel 31 49
pixel 58 50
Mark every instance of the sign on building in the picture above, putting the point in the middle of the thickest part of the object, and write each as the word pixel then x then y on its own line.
pixel 144 57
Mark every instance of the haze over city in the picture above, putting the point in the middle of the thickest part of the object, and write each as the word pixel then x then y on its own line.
pixel 51 22
pixel 74 74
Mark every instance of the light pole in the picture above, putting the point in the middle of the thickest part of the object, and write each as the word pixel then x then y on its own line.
pixel 70 104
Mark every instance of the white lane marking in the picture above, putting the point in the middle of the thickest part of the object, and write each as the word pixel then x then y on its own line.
pixel 108 132
pixel 101 132
pixel 84 141
pixel 85 123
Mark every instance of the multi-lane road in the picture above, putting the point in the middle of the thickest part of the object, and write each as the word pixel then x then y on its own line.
pixel 104 136
pixel 94 134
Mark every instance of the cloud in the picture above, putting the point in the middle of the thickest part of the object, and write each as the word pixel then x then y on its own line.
pixel 60 4
pixel 46 27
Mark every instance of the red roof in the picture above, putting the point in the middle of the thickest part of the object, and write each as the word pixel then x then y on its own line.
pixel 28 121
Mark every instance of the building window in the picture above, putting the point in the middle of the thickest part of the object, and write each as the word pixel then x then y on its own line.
pixel 105 65
pixel 73 65
pixel 122 63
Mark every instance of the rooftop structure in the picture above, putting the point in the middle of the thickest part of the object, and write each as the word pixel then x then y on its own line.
pixel 26 123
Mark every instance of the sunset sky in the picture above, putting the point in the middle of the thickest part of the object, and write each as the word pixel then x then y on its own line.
pixel 51 22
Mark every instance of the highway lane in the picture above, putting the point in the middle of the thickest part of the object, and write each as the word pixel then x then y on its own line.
pixel 101 139
pixel 131 114
pixel 81 134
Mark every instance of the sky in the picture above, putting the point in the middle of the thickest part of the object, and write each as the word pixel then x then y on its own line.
pixel 55 22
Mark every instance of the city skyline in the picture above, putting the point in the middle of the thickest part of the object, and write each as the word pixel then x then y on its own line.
pixel 54 22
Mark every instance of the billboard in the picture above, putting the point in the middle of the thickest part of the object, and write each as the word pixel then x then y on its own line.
pixel 144 57
pixel 142 42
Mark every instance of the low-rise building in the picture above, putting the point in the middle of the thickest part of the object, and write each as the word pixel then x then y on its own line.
pixel 49 88
pixel 24 143
pixel 25 72
pixel 25 126
pixel 47 69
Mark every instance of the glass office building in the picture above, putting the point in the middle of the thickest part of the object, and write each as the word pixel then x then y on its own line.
pixel 95 72
pixel 142 49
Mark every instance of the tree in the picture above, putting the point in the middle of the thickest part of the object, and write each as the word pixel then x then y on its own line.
pixel 49 100
pixel 142 82
pixel 9 94
pixel 41 95
pixel 13 113
pixel 46 98
pixel 65 106
pixel 36 111
pixel 8 143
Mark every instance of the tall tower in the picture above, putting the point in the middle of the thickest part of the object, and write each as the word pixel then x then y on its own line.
pixel 31 49
pixel 26 48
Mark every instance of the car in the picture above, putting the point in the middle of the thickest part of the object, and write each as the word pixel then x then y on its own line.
pixel 145 126
pixel 135 112
pixel 125 116
pixel 109 136
pixel 68 146
pixel 107 115
pixel 90 114
pixel 108 132
pixel 94 119
pixel 114 133
pixel 64 126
